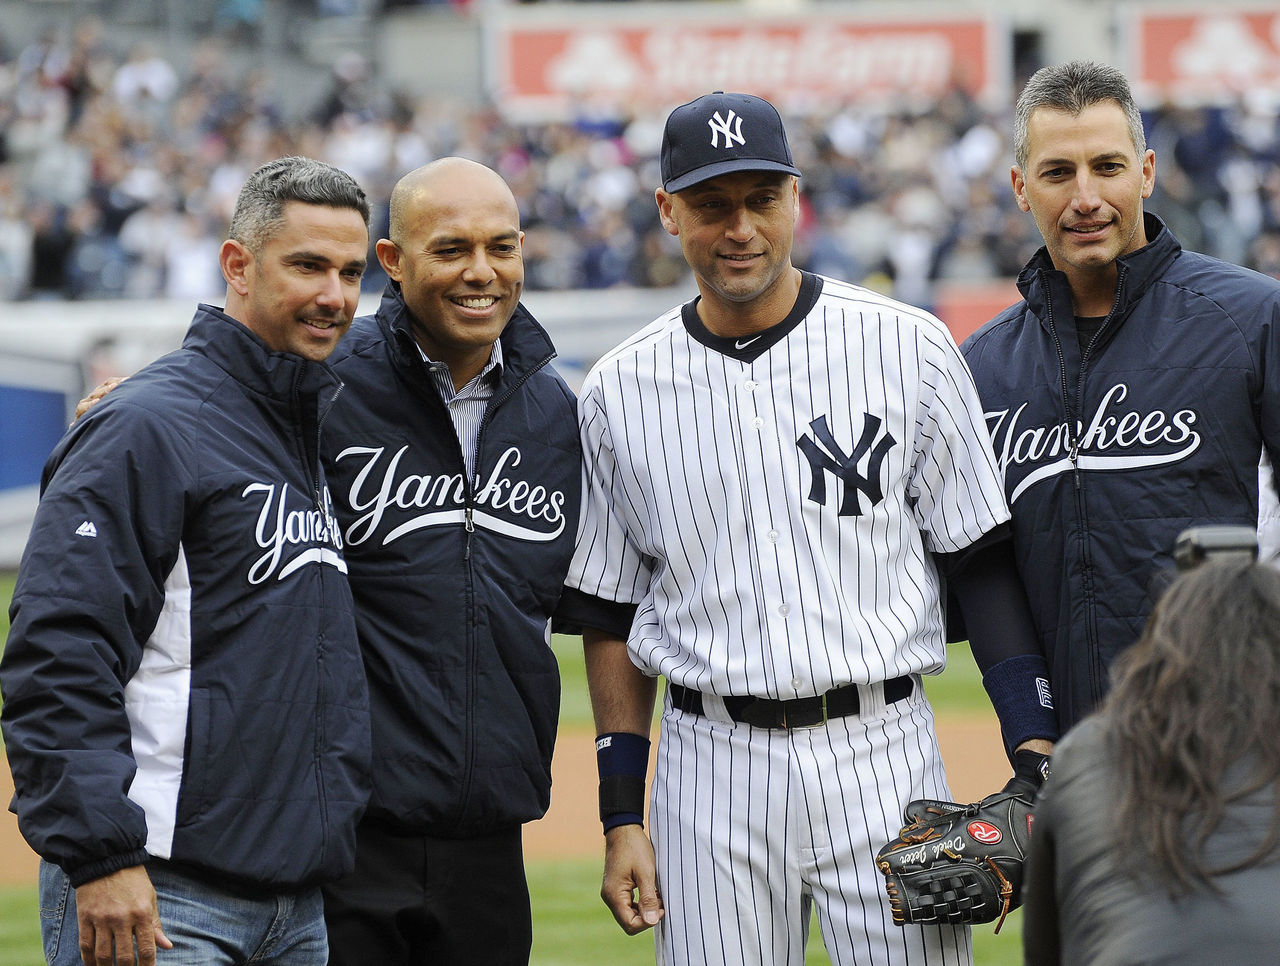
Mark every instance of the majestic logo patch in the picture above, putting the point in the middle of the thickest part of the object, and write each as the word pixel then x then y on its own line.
pixel 730 127
pixel 504 503
pixel 86 529
pixel 984 832
pixel 1109 439
pixel 825 456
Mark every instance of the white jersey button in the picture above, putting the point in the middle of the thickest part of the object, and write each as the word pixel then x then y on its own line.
pixel 750 385
pixel 773 536
pixel 757 423
pixel 784 609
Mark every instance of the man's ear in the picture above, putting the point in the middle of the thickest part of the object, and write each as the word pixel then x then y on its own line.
pixel 235 260
pixel 664 212
pixel 389 257
pixel 1019 187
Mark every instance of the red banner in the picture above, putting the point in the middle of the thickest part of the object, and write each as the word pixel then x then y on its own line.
pixel 544 66
pixel 1204 56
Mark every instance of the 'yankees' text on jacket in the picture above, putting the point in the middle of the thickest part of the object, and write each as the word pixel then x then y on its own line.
pixel 455 581
pixel 1108 454
pixel 182 678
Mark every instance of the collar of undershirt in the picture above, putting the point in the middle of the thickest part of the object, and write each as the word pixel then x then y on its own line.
pixel 492 372
pixel 750 348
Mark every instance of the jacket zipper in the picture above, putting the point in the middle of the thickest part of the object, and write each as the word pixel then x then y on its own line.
pixel 1096 670
pixel 473 485
pixel 312 471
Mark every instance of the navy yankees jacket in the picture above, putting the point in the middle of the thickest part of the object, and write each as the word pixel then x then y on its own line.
pixel 1109 453
pixel 455 580
pixel 182 677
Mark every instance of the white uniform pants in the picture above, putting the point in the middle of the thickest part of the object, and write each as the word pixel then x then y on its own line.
pixel 752 827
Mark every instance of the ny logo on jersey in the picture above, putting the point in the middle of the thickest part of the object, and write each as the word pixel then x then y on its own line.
pixel 721 125
pixel 826 455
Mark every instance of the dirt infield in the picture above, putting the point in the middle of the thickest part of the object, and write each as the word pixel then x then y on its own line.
pixel 970 747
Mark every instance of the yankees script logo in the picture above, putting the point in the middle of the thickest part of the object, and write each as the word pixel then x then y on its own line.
pixel 379 487
pixel 825 455
pixel 279 529
pixel 720 125
pixel 1110 439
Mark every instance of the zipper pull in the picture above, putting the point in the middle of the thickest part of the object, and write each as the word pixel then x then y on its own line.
pixel 1074 456
pixel 470 527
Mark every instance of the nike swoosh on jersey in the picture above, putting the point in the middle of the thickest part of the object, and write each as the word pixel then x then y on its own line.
pixel 743 343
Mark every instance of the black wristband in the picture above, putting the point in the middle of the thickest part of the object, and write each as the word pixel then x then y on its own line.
pixel 623 761
pixel 621 801
pixel 1031 765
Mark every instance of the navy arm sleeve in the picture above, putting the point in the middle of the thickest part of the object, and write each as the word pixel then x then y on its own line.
pixel 991 600
pixel 985 586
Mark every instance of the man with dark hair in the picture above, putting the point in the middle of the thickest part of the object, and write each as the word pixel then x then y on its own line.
pixel 185 710
pixel 778 475
pixel 1133 393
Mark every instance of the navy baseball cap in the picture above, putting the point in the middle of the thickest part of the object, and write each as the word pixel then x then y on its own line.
pixel 720 133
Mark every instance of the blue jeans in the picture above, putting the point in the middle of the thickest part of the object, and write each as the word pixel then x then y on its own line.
pixel 208 925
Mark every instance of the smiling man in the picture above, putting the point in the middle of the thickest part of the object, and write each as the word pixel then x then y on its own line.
pixel 1134 392
pixel 777 473
pixel 185 710
pixel 456 472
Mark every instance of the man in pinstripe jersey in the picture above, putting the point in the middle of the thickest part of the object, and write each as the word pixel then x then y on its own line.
pixel 778 477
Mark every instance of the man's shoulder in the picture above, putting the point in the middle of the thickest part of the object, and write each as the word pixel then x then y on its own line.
pixel 999 327
pixel 888 313
pixel 175 385
pixel 364 340
pixel 643 340
pixel 1222 280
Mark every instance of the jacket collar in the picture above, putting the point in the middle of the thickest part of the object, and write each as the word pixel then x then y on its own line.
pixel 1046 290
pixel 526 347
pixel 247 359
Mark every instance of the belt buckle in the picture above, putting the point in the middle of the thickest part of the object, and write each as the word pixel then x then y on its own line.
pixel 798 719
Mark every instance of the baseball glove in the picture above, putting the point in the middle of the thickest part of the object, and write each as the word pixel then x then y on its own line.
pixel 955 863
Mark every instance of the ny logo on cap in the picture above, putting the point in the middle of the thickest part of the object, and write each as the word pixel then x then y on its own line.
pixel 730 127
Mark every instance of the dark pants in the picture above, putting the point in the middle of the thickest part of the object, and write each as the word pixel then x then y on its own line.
pixel 414 900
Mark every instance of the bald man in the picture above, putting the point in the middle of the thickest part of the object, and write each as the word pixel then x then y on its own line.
pixel 454 462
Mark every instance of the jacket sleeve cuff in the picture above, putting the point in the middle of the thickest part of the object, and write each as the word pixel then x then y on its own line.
pixel 81 874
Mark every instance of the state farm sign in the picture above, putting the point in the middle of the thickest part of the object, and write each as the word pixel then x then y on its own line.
pixel 544 66
pixel 1204 56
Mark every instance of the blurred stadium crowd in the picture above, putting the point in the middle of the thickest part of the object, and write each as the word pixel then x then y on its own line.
pixel 118 170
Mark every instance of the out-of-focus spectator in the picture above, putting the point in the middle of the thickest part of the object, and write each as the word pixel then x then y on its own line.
pixel 190 260
pixel 50 240
pixel 1264 254
pixel 96 265
pixel 146 236
pixel 16 239
pixel 145 81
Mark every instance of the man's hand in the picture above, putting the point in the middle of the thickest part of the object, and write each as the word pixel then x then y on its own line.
pixel 100 390
pixel 630 888
pixel 115 911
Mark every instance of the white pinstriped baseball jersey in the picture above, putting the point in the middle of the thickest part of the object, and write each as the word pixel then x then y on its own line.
pixel 771 517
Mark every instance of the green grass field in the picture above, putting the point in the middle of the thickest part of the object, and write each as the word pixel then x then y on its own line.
pixel 571 925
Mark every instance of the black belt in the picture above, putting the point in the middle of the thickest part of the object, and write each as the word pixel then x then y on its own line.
pixel 791 712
